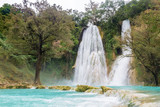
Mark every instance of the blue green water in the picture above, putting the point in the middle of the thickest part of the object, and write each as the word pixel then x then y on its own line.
pixel 57 98
pixel 143 89
pixel 52 98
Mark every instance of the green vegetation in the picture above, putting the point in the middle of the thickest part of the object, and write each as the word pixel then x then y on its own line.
pixel 44 35
pixel 146 41
pixel 36 38
pixel 112 28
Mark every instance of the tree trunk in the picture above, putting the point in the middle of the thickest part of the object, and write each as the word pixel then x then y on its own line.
pixel 155 75
pixel 156 80
pixel 38 69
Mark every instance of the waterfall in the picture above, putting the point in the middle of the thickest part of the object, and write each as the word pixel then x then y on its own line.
pixel 91 63
pixel 120 69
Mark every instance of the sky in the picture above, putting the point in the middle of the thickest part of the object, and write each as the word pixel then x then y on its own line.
pixel 66 4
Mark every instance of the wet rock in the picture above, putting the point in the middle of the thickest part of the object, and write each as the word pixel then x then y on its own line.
pixel 17 86
pixel 73 88
pixel 60 87
pixel 98 91
pixel 10 87
pixel 105 89
pixel 83 88
pixel 21 87
pixel 40 87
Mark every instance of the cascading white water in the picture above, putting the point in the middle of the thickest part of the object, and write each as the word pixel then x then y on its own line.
pixel 120 69
pixel 91 63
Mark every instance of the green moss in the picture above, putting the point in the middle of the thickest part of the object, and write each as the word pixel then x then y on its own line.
pixel 131 104
pixel 40 87
pixel 89 90
pixel 60 87
pixel 83 88
pixel 10 87
pixel 11 74
pixel 98 91
pixel 21 87
pixel 105 89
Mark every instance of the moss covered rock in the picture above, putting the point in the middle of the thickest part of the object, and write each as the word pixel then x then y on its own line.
pixel 40 87
pixel 73 88
pixel 15 86
pixel 98 91
pixel 22 87
pixel 10 87
pixel 105 89
pixel 83 88
pixel 89 90
pixel 60 87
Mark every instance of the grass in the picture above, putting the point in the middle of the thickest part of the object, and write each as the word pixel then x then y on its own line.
pixel 9 73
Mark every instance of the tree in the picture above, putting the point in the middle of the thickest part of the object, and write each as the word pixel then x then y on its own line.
pixel 109 9
pixel 145 41
pixel 5 9
pixel 44 33
pixel 92 12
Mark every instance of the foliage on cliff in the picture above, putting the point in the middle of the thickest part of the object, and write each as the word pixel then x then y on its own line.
pixel 145 43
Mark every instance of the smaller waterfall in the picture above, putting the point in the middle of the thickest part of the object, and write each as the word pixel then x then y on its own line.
pixel 120 69
pixel 91 63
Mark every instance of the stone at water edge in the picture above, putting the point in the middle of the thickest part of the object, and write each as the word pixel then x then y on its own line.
pixel 17 86
pixel 105 89
pixel 97 91
pixel 60 87
pixel 83 88
pixel 40 87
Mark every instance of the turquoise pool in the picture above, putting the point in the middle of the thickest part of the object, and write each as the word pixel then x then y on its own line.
pixel 52 98
pixel 57 98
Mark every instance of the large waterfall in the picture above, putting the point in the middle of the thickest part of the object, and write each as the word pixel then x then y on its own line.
pixel 91 63
pixel 120 69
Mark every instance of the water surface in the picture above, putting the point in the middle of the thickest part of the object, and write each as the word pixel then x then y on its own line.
pixel 57 98
pixel 53 98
